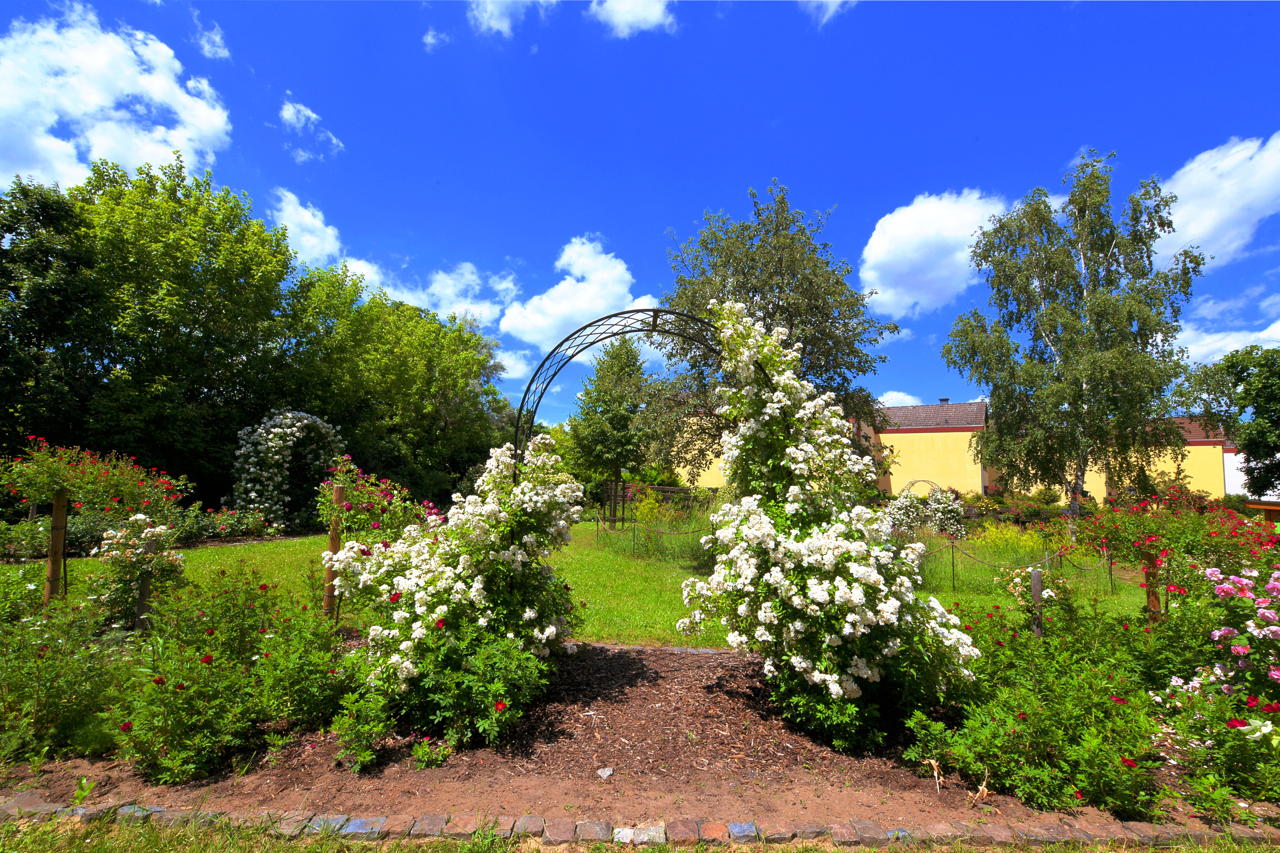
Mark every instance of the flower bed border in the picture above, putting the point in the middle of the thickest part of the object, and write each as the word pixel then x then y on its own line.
pixel 851 832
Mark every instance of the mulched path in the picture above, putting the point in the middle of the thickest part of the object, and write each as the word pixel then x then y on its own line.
pixel 684 734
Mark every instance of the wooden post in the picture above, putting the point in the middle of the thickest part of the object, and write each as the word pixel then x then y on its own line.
pixel 953 566
pixel 1037 603
pixel 57 546
pixel 335 545
pixel 1152 578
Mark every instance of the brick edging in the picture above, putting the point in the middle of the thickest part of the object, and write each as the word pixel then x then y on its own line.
pixel 557 831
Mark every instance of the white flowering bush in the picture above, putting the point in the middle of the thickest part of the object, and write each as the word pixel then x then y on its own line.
pixel 805 574
pixel 942 511
pixel 278 464
pixel 467 609
pixel 139 563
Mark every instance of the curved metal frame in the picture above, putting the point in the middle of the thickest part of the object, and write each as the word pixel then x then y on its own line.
pixel 631 322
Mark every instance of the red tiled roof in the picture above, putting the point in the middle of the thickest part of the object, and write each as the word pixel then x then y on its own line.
pixel 937 415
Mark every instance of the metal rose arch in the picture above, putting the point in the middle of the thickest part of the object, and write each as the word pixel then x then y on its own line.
pixel 636 321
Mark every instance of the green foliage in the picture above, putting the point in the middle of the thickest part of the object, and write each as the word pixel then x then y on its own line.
pixel 1081 350
pixel 1073 720
pixel 374 508
pixel 776 263
pixel 607 435
pixel 47 297
pixel 473 686
pixel 56 673
pixel 226 660
pixel 137 564
pixel 430 752
pixel 1238 395
pixel 365 720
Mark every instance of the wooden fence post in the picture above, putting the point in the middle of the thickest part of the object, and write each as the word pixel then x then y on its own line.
pixel 57 546
pixel 335 545
pixel 1037 603
pixel 1152 577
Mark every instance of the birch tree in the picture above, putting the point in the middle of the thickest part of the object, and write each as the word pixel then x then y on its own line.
pixel 1078 353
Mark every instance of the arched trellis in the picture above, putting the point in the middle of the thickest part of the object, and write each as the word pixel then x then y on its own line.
pixel 661 321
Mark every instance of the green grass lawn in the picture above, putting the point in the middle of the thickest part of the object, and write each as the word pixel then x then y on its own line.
pixel 632 596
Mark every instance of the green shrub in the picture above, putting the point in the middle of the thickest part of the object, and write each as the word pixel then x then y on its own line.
pixel 226 663
pixel 57 673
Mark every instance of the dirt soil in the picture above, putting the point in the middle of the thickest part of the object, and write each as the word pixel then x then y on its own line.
pixel 685 734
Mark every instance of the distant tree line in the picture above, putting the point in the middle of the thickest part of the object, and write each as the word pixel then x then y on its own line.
pixel 154 315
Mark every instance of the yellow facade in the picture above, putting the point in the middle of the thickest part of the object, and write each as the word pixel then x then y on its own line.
pixel 933 457
pixel 1203 467
pixel 712 478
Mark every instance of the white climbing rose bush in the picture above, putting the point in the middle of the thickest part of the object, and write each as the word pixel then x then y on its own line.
pixel 284 442
pixel 805 574
pixel 467 610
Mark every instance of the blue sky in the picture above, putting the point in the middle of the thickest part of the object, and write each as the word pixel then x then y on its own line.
pixel 531 164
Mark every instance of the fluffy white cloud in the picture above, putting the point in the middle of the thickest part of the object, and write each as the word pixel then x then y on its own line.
pixel 824 10
pixel 315 242
pixel 210 41
pixel 596 283
pixel 303 121
pixel 917 259
pixel 74 92
pixel 1209 345
pixel 625 18
pixel 898 398
pixel 462 291
pixel 373 275
pixel 517 363
pixel 433 38
pixel 1232 308
pixel 500 16
pixel 1223 195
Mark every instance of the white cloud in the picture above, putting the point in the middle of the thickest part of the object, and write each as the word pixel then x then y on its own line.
pixel 625 18
pixel 516 363
pixel 1223 195
pixel 462 291
pixel 898 398
pixel 315 242
pixel 303 121
pixel 433 38
pixel 373 275
pixel 824 10
pixel 917 259
pixel 1214 309
pixel 1205 346
pixel 74 92
pixel 500 16
pixel 210 41
pixel 596 283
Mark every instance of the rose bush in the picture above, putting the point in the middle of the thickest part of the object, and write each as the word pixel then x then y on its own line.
pixel 466 611
pixel 805 574
pixel 278 463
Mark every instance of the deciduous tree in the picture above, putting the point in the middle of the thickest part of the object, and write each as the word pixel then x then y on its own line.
pixel 1079 353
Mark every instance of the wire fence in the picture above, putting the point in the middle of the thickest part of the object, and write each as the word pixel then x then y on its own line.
pixel 950 566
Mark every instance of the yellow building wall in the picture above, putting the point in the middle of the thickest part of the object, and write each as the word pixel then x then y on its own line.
pixel 1095 483
pixel 939 457
pixel 1202 466
pixel 712 478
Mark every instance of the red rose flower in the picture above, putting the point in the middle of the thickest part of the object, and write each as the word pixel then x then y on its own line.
pixel 179 686
pixel 1237 723
pixel 500 705
pixel 395 596
pixel 1128 762
pixel 1120 700
pixel 126 726
pixel 207 659
pixel 439 623
pixel 159 679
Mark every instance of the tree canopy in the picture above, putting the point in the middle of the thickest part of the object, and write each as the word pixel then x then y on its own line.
pixel 1240 395
pixel 152 314
pixel 1079 353
pixel 777 265
pixel 606 432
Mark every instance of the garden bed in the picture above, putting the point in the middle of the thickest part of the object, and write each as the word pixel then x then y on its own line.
pixel 685 734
